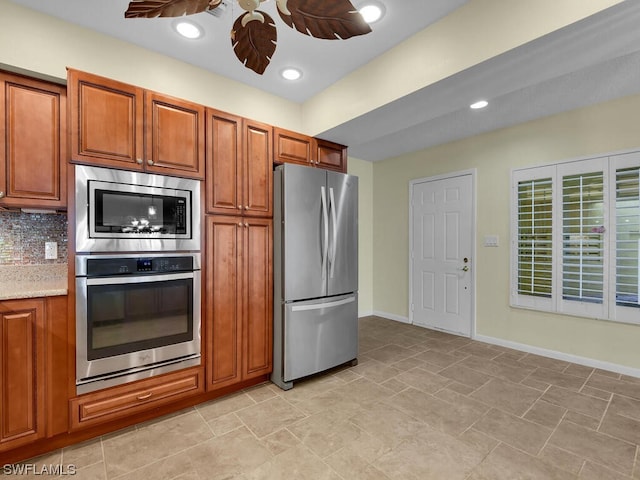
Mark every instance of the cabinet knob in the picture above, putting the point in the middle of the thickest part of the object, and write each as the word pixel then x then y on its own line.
pixel 139 161
pixel 246 207
pixel 239 224
pixel 149 162
pixel 1 194
pixel 246 225
pixel 239 207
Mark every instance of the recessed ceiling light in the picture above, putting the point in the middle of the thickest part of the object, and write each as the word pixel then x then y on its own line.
pixel 188 29
pixel 372 11
pixel 479 104
pixel 291 74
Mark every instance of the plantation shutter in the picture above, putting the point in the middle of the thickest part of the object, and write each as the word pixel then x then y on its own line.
pixel 627 236
pixel 583 228
pixel 535 239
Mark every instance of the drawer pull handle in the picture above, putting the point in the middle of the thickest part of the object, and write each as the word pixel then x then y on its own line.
pixel 145 396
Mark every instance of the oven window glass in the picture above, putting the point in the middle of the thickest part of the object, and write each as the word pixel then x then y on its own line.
pixel 131 317
pixel 126 212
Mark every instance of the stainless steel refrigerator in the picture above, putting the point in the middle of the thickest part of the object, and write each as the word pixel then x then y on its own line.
pixel 315 272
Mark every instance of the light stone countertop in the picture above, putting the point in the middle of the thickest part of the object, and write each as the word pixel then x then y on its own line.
pixel 30 281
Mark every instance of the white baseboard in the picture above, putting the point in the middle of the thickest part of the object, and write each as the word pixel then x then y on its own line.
pixel 367 313
pixel 391 316
pixel 589 362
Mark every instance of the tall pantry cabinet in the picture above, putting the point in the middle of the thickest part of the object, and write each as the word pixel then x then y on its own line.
pixel 238 252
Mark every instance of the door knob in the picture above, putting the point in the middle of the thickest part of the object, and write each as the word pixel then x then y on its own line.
pixel 465 269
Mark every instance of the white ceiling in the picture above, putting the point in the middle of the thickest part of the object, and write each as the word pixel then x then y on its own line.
pixel 595 60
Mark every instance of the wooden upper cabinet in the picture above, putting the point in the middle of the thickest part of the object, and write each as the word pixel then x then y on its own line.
pixel 174 136
pixel 33 143
pixel 223 183
pixel 239 166
pixel 106 121
pixel 329 155
pixel 291 147
pixel 22 372
pixel 257 172
pixel 114 124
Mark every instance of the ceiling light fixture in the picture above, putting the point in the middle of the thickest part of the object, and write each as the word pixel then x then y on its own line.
pixel 479 104
pixel 291 74
pixel 254 35
pixel 188 29
pixel 372 12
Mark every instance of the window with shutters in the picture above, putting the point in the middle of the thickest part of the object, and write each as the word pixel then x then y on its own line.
pixel 576 238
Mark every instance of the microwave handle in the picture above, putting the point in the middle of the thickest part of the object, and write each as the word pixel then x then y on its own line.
pixel 138 279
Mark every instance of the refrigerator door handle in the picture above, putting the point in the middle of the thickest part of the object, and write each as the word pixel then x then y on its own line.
pixel 334 245
pixel 325 218
pixel 317 306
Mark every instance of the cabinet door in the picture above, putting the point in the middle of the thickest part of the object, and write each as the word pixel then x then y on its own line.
pixel 106 121
pixel 21 372
pixel 257 322
pixel 174 136
pixel 329 155
pixel 223 307
pixel 257 174
pixel 291 147
pixel 223 189
pixel 33 141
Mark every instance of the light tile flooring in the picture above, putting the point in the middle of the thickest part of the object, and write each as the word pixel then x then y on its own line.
pixel 420 405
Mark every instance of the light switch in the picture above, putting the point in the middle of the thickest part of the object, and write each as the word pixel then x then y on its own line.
pixel 491 240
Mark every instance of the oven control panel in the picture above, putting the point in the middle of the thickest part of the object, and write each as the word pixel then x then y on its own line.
pixel 99 267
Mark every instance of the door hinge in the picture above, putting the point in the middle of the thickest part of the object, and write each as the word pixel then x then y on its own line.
pixel 412 307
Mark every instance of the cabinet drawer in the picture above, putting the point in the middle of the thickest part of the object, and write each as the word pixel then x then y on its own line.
pixel 118 402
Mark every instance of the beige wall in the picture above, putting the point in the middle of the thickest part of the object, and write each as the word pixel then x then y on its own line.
pixel 590 131
pixel 45 45
pixel 364 171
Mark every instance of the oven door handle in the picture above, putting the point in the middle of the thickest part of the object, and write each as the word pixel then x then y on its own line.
pixel 139 279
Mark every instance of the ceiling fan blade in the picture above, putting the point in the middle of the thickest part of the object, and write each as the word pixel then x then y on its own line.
pixel 254 43
pixel 167 8
pixel 331 20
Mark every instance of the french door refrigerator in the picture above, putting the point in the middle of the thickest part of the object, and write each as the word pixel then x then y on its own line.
pixel 315 272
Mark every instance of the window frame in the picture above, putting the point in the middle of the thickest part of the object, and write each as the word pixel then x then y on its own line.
pixel 608 309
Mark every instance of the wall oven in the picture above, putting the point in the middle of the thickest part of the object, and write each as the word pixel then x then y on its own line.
pixel 137 315
pixel 123 211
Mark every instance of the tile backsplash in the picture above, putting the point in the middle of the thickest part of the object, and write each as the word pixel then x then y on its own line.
pixel 22 237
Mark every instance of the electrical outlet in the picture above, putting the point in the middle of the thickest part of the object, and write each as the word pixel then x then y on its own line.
pixel 50 250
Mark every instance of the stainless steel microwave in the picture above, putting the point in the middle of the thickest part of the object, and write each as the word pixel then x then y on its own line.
pixel 123 211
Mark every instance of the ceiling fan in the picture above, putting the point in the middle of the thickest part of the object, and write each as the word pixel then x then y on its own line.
pixel 254 35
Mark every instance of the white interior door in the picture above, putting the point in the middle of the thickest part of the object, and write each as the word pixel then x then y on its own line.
pixel 441 248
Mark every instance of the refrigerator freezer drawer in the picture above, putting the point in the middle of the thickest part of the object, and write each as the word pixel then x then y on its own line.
pixel 319 334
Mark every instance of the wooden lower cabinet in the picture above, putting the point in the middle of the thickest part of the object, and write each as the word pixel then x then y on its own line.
pixel 33 370
pixel 126 400
pixel 239 299
pixel 22 372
